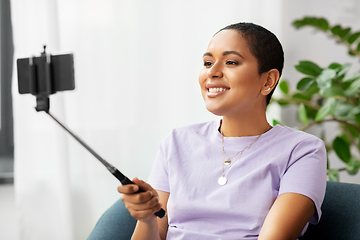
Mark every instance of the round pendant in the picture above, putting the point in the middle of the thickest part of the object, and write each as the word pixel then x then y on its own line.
pixel 227 161
pixel 222 180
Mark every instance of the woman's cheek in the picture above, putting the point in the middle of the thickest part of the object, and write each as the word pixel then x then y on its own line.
pixel 202 77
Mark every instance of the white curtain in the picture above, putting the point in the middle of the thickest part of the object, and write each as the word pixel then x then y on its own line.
pixel 136 70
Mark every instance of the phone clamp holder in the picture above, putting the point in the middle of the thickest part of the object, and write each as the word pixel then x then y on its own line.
pixel 41 73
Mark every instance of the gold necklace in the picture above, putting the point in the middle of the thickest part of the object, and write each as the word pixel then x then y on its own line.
pixel 222 180
pixel 228 159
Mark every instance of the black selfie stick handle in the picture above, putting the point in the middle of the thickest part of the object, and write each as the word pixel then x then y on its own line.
pixel 124 181
pixel 121 177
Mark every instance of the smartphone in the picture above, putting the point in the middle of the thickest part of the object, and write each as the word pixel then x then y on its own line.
pixel 46 74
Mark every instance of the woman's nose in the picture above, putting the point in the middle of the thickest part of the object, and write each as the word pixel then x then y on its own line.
pixel 215 71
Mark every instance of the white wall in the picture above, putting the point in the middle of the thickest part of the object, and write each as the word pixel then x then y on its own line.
pixel 8 213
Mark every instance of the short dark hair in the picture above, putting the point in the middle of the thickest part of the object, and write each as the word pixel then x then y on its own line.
pixel 264 45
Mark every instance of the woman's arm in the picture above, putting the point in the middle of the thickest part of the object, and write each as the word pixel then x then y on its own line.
pixel 287 217
pixel 158 226
pixel 142 207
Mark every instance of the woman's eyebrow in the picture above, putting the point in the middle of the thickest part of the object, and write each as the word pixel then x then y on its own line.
pixel 232 52
pixel 224 54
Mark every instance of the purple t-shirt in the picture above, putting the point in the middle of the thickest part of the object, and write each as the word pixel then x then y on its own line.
pixel 189 163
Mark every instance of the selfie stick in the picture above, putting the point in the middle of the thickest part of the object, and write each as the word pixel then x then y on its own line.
pixel 43 104
pixel 121 177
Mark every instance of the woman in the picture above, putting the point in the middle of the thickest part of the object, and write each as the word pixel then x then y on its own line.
pixel 238 178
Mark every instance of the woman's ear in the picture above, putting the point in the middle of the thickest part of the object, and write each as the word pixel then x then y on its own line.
pixel 272 77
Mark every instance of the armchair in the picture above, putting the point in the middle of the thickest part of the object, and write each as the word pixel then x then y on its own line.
pixel 340 219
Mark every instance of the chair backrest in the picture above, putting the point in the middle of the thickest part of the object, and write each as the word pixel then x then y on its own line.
pixel 340 219
pixel 340 214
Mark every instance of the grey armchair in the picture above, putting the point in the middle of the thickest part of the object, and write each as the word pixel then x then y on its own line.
pixel 340 219
pixel 341 214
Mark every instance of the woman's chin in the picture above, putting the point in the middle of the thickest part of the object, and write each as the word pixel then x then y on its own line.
pixel 214 110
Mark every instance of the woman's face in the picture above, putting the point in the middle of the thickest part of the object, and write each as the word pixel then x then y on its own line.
pixel 230 82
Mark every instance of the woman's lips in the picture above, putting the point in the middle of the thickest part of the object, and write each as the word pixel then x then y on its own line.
pixel 215 92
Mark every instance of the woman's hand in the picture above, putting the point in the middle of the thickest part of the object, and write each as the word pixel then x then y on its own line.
pixel 141 206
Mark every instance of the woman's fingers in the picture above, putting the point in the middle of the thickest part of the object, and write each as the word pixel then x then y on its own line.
pixel 133 188
pixel 128 189
pixel 144 214
pixel 149 205
pixel 143 205
pixel 137 198
pixel 143 185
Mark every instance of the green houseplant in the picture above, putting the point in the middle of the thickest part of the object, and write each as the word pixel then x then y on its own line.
pixel 327 94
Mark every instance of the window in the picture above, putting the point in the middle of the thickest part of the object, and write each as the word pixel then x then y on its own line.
pixel 6 116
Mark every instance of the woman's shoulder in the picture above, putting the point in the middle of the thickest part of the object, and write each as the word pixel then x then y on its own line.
pixel 203 126
pixel 293 135
pixel 202 130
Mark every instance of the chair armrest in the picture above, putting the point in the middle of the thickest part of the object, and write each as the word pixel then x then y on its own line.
pixel 115 223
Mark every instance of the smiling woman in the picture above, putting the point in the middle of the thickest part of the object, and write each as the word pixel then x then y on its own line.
pixel 237 178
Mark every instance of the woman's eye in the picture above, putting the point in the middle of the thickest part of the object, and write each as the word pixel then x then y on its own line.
pixel 231 63
pixel 207 64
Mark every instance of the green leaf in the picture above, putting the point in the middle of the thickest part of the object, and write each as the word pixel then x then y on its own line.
pixel 280 101
pixel 358 48
pixel 353 89
pixel 283 103
pixel 343 109
pixel 351 77
pixel 284 86
pixel 353 112
pixel 324 80
pixel 312 89
pixel 304 84
pixel 335 66
pixel 344 69
pixel 357 118
pixel 342 149
pixel 353 38
pixel 334 90
pixel 354 132
pixel 300 96
pixel 333 175
pixel 302 114
pixel 319 23
pixel 344 32
pixel 275 122
pixel 352 167
pixel 299 23
pixel 311 113
pixel 323 24
pixel 347 84
pixel 308 68
pixel 327 109
pixel 346 138
pixel 336 30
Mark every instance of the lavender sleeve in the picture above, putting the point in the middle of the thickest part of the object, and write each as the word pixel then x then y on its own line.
pixel 159 178
pixel 306 173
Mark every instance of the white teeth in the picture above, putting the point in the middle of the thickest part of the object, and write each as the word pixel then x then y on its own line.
pixel 213 90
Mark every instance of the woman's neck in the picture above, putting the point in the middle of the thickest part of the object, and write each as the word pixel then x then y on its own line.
pixel 244 126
